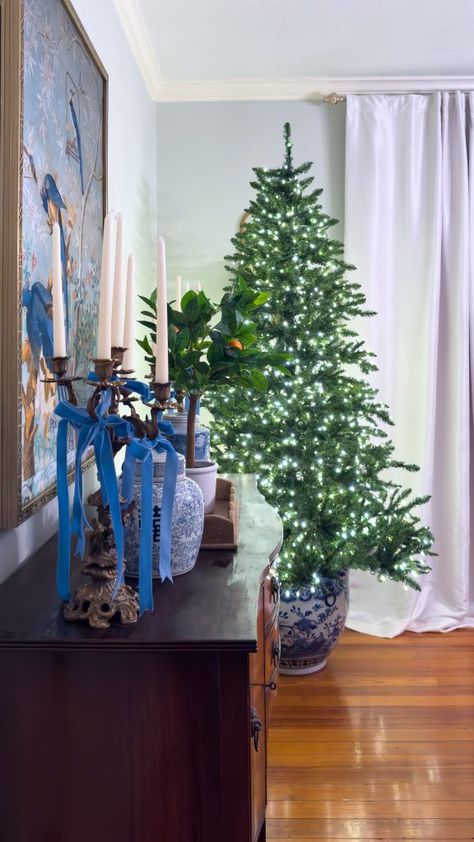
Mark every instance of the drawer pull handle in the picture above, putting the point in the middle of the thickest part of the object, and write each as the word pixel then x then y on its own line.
pixel 255 728
pixel 271 686
pixel 276 653
pixel 275 589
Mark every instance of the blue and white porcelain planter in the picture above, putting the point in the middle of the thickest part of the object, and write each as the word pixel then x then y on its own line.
pixel 311 623
pixel 202 435
pixel 186 526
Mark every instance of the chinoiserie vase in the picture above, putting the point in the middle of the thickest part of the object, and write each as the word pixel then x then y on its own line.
pixel 179 421
pixel 205 475
pixel 311 623
pixel 186 526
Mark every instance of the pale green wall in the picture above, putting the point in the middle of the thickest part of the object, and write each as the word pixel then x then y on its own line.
pixel 206 152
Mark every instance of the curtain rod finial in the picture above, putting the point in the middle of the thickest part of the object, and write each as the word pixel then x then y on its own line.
pixel 333 99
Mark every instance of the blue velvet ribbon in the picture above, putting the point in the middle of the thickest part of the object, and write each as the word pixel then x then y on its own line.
pixel 142 389
pixel 93 432
pixel 141 450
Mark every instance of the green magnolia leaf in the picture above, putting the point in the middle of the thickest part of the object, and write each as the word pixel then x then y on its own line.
pixel 215 353
pixel 171 338
pixel 259 380
pixel 149 325
pixel 260 299
pixel 183 339
pixel 147 301
pixel 188 296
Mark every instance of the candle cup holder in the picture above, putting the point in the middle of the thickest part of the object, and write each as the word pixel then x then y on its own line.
pixel 117 356
pixel 104 370
pixel 148 427
pixel 59 367
pixel 162 395
pixel 180 395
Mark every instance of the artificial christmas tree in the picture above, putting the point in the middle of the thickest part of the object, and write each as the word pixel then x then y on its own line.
pixel 315 439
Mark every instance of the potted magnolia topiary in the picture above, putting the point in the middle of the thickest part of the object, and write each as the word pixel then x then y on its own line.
pixel 212 348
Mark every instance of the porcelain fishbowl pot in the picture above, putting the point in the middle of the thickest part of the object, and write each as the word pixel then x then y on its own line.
pixel 311 623
pixel 186 526
pixel 202 435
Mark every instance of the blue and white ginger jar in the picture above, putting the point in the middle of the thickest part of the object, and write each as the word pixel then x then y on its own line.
pixel 186 526
pixel 311 623
pixel 178 439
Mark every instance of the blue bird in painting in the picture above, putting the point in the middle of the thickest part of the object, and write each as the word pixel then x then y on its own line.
pixel 39 325
pixel 78 138
pixel 53 204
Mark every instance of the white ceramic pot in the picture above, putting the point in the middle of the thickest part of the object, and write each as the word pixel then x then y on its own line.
pixel 205 475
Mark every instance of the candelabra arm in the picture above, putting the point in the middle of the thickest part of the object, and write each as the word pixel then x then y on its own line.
pixel 58 367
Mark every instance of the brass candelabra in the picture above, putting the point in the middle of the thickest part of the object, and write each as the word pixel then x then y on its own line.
pixel 95 601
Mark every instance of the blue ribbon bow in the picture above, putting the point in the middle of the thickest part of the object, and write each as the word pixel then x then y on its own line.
pixel 142 450
pixel 142 389
pixel 94 432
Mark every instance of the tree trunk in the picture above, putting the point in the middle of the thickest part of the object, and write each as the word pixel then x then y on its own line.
pixel 190 431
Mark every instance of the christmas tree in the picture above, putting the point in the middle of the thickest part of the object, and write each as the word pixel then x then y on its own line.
pixel 317 438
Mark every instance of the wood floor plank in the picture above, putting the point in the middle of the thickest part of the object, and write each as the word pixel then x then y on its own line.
pixel 365 829
pixel 355 791
pixel 392 809
pixel 367 775
pixel 374 750
pixel 333 734
pixel 378 746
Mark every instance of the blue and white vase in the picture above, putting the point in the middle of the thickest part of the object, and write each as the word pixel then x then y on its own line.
pixel 311 623
pixel 202 434
pixel 186 526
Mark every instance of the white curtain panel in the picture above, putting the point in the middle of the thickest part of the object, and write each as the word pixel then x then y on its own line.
pixel 409 231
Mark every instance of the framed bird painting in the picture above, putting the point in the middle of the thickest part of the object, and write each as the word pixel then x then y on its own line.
pixel 53 142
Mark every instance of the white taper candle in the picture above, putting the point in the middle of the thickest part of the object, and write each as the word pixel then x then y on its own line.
pixel 179 293
pixel 105 295
pixel 130 323
pixel 59 335
pixel 118 303
pixel 161 354
pixel 198 286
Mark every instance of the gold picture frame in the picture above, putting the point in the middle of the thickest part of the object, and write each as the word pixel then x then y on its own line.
pixel 16 503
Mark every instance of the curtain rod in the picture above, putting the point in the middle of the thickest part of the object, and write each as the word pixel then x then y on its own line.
pixel 335 98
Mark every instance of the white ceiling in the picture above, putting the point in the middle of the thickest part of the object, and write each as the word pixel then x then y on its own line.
pixel 186 46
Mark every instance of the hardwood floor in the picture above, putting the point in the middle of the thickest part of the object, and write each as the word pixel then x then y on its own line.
pixel 379 745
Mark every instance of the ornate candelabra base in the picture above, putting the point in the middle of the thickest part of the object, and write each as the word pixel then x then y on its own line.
pixel 94 603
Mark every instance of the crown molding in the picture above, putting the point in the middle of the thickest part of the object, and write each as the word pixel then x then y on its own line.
pixel 235 90
pixel 313 88
pixel 137 36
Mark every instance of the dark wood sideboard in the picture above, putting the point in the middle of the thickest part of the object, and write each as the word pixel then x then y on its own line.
pixel 144 733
